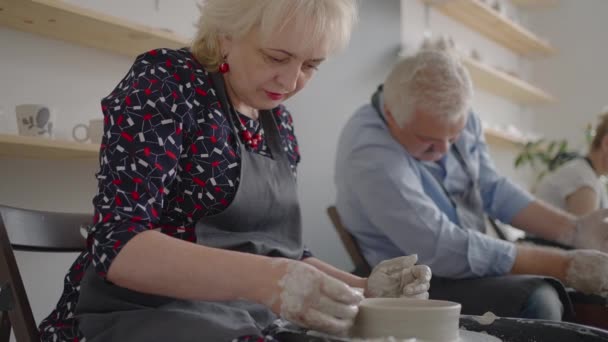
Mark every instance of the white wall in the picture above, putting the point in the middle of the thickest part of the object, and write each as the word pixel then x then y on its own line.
pixel 578 74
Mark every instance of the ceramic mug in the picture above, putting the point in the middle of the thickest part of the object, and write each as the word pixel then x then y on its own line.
pixel 34 120
pixel 93 131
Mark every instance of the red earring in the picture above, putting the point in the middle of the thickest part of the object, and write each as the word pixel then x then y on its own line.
pixel 224 67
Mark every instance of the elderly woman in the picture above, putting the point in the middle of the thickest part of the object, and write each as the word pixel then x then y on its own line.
pixel 197 232
pixel 576 186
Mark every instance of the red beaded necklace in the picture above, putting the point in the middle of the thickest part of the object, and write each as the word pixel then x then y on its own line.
pixel 251 139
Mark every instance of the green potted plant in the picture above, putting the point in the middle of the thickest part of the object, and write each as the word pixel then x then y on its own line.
pixel 545 156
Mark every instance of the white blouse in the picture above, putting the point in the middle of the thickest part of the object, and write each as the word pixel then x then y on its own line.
pixel 556 186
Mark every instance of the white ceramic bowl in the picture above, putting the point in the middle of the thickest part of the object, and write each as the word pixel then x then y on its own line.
pixel 402 318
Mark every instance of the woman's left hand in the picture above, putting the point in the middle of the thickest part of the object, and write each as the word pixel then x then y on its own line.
pixel 399 277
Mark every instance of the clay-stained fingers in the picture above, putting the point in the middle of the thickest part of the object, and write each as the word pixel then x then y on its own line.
pixel 336 309
pixel 397 264
pixel 422 272
pixel 320 321
pixel 340 291
pixel 416 280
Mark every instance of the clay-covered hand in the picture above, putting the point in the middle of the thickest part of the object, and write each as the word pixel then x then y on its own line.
pixel 399 277
pixel 591 232
pixel 588 272
pixel 312 299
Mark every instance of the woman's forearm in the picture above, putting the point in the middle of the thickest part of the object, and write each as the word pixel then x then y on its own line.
pixel 155 263
pixel 544 261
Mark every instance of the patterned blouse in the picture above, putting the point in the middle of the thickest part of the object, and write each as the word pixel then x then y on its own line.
pixel 167 159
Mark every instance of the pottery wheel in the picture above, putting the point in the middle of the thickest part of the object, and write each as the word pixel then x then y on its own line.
pixel 472 336
pixel 465 336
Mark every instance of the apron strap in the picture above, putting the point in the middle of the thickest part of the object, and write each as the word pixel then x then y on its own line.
pixel 274 139
pixel 220 88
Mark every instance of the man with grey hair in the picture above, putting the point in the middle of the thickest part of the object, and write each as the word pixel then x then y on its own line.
pixel 413 175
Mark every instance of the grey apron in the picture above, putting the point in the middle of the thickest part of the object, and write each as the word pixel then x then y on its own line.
pixel 264 218
pixel 506 295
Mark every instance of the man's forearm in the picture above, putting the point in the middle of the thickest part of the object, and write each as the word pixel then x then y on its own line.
pixel 542 220
pixel 544 261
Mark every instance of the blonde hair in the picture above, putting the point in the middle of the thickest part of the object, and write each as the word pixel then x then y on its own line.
pixel 327 21
pixel 432 81
pixel 601 130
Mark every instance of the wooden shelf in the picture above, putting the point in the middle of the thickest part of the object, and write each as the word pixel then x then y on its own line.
pixel 59 20
pixel 535 3
pixel 16 146
pixel 502 84
pixel 485 20
pixel 496 137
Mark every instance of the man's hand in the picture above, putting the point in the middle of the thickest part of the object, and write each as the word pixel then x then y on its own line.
pixel 588 272
pixel 591 232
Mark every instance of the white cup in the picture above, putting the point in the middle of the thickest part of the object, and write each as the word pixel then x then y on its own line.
pixel 93 132
pixel 35 120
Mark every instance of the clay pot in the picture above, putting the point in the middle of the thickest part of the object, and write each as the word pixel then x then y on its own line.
pixel 402 318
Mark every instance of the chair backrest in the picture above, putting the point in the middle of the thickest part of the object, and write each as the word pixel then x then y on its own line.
pixel 352 248
pixel 32 230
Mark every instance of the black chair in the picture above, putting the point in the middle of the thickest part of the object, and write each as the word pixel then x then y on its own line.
pixel 36 231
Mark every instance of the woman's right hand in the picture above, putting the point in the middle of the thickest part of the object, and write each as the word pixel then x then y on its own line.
pixel 310 298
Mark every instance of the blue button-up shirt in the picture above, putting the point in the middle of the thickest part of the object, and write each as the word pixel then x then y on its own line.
pixel 394 204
